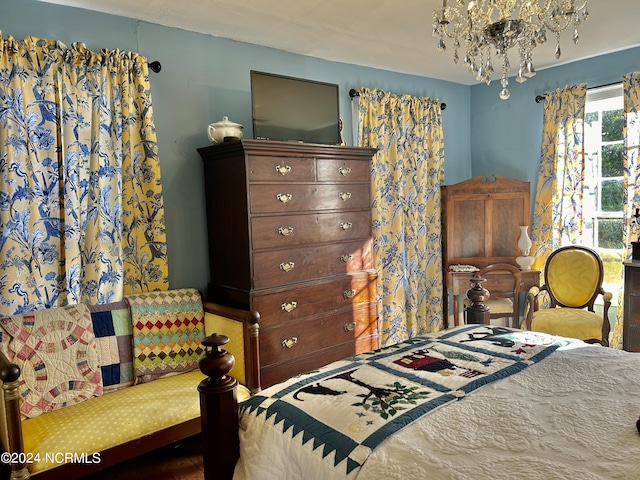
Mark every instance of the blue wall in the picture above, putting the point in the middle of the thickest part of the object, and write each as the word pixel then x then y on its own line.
pixel 204 78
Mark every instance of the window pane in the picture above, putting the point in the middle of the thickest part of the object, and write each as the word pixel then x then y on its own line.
pixel 587 233
pixel 610 233
pixel 612 160
pixel 612 196
pixel 612 260
pixel 612 122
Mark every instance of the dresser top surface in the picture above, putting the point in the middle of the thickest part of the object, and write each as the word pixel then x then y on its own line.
pixel 279 148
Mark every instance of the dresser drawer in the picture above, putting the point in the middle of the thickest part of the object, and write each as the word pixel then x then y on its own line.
pixel 281 267
pixel 633 308
pixel 294 230
pixel 632 277
pixel 284 198
pixel 287 305
pixel 336 170
pixel 285 342
pixel 281 169
pixel 274 373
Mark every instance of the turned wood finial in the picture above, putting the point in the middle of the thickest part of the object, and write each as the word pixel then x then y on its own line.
pixel 478 312
pixel 216 363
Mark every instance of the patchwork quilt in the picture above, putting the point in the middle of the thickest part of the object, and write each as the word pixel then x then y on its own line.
pixel 57 354
pixel 114 338
pixel 341 412
pixel 168 329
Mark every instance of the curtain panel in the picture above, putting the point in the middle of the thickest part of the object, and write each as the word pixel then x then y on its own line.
pixel 407 174
pixel 557 217
pixel 81 207
pixel 630 179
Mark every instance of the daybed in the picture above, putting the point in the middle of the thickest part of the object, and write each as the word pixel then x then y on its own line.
pixel 549 407
pixel 87 387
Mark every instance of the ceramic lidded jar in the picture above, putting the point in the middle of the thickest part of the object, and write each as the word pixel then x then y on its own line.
pixel 220 130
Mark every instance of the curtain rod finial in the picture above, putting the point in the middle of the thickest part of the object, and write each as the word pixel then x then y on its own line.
pixel 155 66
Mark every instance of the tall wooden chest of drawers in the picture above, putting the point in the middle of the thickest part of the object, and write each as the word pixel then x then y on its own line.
pixel 631 326
pixel 289 229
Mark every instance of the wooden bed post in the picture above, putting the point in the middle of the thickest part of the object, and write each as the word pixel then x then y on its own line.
pixel 477 312
pixel 10 377
pixel 219 410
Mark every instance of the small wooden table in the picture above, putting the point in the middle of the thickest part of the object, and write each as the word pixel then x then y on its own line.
pixel 457 283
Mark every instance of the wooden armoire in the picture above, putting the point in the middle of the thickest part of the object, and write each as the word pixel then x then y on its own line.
pixel 289 228
pixel 481 220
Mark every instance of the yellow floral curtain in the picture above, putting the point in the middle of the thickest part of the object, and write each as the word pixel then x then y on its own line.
pixel 557 218
pixel 407 174
pixel 81 208
pixel 631 179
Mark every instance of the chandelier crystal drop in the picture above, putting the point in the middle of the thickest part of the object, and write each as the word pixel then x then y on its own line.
pixel 487 27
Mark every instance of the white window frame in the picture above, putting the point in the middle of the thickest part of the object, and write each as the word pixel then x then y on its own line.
pixel 601 99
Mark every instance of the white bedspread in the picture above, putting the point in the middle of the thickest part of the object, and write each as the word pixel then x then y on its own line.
pixel 570 416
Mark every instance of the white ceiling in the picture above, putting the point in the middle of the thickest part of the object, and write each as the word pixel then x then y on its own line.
pixel 392 35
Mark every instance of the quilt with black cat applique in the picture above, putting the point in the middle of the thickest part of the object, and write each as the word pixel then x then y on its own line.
pixel 344 410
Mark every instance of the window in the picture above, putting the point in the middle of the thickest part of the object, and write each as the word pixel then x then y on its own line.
pixel 604 221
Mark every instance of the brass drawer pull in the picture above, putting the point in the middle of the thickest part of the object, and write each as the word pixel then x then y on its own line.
pixel 289 307
pixel 345 195
pixel 349 293
pixel 344 171
pixel 285 231
pixel 289 342
pixel 284 197
pixel 346 257
pixel 349 327
pixel 283 169
pixel 287 267
pixel 346 225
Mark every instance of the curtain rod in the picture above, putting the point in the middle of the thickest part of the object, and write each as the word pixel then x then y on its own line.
pixel 354 93
pixel 540 98
pixel 155 66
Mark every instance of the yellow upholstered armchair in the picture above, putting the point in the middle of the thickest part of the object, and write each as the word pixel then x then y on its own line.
pixel 573 280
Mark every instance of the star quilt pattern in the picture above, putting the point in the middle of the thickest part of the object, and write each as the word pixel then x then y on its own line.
pixel 344 410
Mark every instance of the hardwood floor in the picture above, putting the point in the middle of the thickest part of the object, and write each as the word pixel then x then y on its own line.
pixel 182 461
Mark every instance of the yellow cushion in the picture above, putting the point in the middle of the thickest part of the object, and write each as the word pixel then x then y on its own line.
pixel 234 330
pixel 572 276
pixel 114 418
pixel 568 322
pixel 243 393
pixel 497 305
pixel 500 305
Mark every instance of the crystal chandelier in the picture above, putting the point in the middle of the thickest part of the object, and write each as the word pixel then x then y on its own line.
pixel 499 25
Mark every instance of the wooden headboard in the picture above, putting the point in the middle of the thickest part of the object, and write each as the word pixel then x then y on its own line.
pixel 481 220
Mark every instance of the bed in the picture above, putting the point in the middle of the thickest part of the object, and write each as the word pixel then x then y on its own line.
pixel 471 402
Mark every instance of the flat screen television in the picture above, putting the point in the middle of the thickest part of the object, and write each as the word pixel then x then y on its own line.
pixel 294 109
